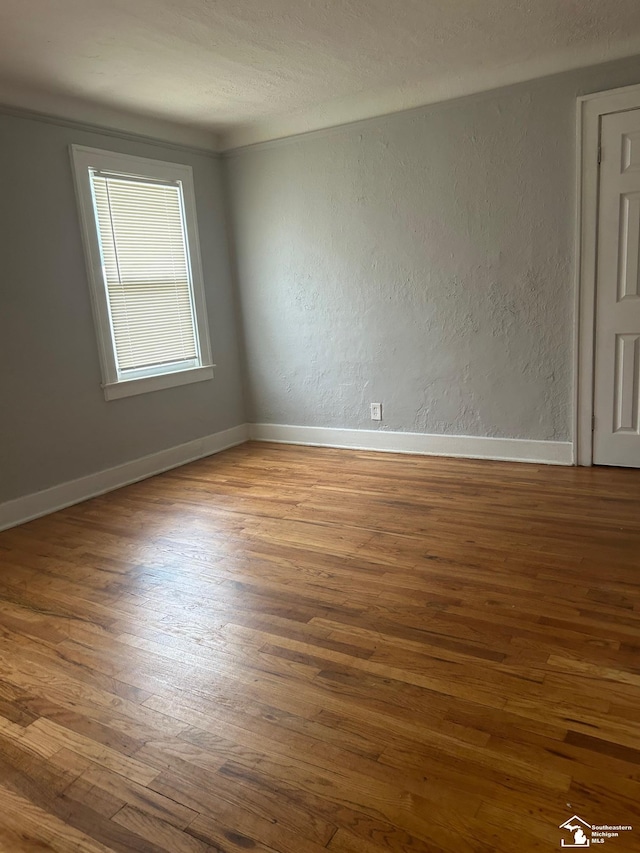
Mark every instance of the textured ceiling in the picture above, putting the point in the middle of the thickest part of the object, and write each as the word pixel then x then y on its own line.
pixel 259 69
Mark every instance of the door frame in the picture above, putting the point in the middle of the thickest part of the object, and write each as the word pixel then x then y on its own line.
pixel 590 110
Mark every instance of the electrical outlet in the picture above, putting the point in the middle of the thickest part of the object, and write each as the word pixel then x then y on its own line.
pixel 376 411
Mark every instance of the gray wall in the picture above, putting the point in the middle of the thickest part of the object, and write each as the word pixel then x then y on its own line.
pixel 425 260
pixel 55 424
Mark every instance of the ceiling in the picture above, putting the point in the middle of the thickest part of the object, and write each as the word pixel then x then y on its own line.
pixel 222 73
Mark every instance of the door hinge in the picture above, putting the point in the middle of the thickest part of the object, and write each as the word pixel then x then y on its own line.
pixel 593 423
pixel 599 154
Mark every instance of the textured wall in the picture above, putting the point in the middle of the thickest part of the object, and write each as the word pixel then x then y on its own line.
pixel 55 424
pixel 424 260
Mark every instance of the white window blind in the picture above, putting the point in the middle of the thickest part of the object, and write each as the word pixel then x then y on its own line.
pixel 146 270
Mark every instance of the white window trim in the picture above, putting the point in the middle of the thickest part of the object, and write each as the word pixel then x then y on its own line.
pixel 115 387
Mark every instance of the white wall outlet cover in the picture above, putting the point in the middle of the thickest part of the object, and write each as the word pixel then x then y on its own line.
pixel 376 411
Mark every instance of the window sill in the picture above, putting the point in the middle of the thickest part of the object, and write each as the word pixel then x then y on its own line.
pixel 131 387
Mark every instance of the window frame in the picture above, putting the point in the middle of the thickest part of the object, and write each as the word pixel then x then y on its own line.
pixel 114 386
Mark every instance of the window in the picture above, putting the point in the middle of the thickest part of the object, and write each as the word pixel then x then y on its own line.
pixel 140 234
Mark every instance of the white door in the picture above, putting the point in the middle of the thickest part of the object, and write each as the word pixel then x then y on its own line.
pixel 616 435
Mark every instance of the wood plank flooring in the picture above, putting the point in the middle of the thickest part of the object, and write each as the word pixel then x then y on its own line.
pixel 302 650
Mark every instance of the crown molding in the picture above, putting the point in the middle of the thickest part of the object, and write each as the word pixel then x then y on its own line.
pixel 326 117
pixel 390 101
pixel 117 133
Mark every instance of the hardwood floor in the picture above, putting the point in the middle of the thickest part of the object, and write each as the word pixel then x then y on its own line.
pixel 302 650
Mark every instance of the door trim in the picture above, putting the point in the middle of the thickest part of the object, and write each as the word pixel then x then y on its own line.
pixel 590 110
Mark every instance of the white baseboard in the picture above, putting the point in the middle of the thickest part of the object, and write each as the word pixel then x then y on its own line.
pixel 35 505
pixel 466 446
pixel 51 500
